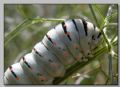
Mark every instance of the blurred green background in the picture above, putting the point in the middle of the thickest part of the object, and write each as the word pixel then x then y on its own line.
pixel 95 72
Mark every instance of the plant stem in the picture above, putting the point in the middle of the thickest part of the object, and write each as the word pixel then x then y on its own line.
pixel 78 66
pixel 104 73
pixel 115 36
pixel 24 25
pixel 94 16
pixel 74 68
pixel 110 68
pixel 93 13
pixel 100 13
pixel 38 19
pixel 12 34
pixel 110 56
pixel 110 24
pixel 106 22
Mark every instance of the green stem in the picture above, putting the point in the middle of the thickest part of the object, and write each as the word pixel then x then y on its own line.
pixel 106 40
pixel 74 68
pixel 103 72
pixel 93 13
pixel 107 81
pixel 47 19
pixel 78 66
pixel 110 24
pixel 106 22
pixel 114 37
pixel 104 36
pixel 21 11
pixel 100 12
pixel 12 34
pixel 110 68
pixel 24 25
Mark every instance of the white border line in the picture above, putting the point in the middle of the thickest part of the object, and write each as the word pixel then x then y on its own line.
pixel 43 2
pixel 119 44
pixel 60 1
pixel 1 43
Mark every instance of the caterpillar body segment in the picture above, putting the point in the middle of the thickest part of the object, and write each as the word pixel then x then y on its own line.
pixel 50 61
pixel 6 80
pixel 69 35
pixel 16 75
pixel 34 70
pixel 82 27
pixel 58 47
pixel 95 38
pixel 74 44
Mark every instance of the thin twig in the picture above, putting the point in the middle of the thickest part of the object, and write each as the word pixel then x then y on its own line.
pixel 12 34
pixel 114 37
pixel 110 68
pixel 106 22
pixel 104 36
pixel 110 24
pixel 107 80
pixel 100 12
pixel 110 9
pixel 26 23
pixel 104 73
pixel 76 67
pixel 93 13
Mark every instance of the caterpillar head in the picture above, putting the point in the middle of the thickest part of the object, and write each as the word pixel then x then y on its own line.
pixel 95 38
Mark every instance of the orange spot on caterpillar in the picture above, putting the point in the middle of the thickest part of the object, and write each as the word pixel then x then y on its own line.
pixel 68 33
pixel 54 65
pixel 78 58
pixel 75 46
pixel 54 44
pixel 17 78
pixel 65 53
pixel 42 78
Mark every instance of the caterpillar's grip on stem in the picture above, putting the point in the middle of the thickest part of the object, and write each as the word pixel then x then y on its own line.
pixel 65 44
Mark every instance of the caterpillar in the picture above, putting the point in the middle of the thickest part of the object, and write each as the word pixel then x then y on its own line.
pixel 68 42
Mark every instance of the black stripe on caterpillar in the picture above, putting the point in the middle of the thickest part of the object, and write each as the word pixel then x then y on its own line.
pixel 65 44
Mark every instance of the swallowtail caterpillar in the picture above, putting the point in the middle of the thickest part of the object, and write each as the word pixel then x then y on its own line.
pixel 65 44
